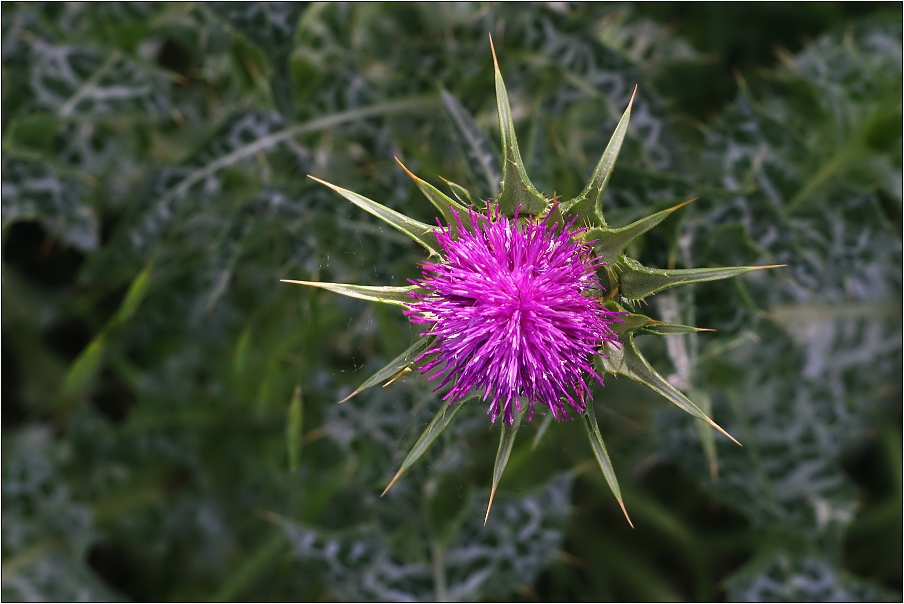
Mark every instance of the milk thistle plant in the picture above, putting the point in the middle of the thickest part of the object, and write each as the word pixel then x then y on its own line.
pixel 525 301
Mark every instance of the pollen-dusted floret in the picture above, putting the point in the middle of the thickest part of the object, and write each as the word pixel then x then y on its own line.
pixel 512 316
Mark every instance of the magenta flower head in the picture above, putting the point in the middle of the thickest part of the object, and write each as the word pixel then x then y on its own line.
pixel 516 315
pixel 522 309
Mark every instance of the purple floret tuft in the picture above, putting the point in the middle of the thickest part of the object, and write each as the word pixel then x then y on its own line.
pixel 511 316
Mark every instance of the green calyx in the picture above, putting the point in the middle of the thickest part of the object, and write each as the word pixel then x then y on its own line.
pixel 625 280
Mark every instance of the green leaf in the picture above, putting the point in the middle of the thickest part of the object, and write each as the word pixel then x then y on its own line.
pixel 446 206
pixel 602 456
pixel 507 436
pixel 517 192
pixel 588 205
pixel 34 190
pixel 645 41
pixel 801 399
pixel 246 136
pixel 294 418
pixel 174 193
pixel 478 562
pixel 33 135
pixel 137 292
pixel 85 366
pixel 88 363
pixel 854 82
pixel 626 360
pixel 271 26
pixel 478 150
pixel 53 575
pixel 658 328
pixel 630 323
pixel 387 294
pixel 257 565
pixel 364 563
pixel 461 193
pixel 637 281
pixel 416 230
pixel 45 557
pixel 787 576
pixel 82 82
pixel 368 434
pixel 394 368
pixel 440 422
pixel 611 243
pixel 228 250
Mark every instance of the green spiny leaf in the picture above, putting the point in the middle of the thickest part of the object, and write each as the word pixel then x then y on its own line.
pixel 658 328
pixel 387 294
pixel 588 206
pixel 602 456
pixel 461 193
pixel 506 441
pixel 611 243
pixel 394 368
pixel 517 192
pixel 630 323
pixel 626 360
pixel 415 229
pixel 440 422
pixel 477 149
pixel 446 206
pixel 637 281
pixel 554 215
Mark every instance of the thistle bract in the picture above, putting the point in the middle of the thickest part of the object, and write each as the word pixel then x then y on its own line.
pixel 522 309
pixel 513 313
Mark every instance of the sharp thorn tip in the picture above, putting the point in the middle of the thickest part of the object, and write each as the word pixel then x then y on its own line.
pixel 391 482
pixel 493 50
pixel 682 204
pixel 625 512
pixel 355 393
pixel 489 505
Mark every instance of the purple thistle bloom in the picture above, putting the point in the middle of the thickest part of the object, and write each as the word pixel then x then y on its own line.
pixel 511 316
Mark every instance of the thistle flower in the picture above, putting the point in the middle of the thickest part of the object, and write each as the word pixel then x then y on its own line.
pixel 512 311
pixel 521 306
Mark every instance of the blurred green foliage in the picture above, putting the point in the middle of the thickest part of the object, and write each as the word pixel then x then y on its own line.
pixel 169 418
